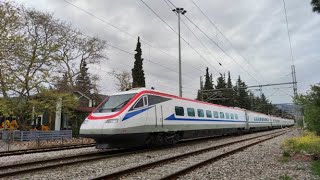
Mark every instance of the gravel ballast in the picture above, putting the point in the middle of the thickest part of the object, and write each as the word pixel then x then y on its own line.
pixel 8 160
pixel 221 170
pixel 262 161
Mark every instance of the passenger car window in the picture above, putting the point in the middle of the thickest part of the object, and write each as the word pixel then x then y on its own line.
pixel 236 116
pixel 232 116
pixel 209 114
pixel 200 113
pixel 227 115
pixel 221 115
pixel 191 112
pixel 156 99
pixel 179 111
pixel 215 114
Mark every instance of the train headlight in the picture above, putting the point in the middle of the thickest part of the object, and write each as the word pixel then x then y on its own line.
pixel 112 121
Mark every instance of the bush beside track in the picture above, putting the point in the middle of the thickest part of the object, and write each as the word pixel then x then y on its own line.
pixel 305 147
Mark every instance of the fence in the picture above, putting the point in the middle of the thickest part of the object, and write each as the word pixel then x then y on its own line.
pixel 36 135
pixel 19 140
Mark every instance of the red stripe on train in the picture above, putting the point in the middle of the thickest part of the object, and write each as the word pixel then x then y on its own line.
pixel 91 117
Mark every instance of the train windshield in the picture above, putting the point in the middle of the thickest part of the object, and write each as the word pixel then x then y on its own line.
pixel 114 103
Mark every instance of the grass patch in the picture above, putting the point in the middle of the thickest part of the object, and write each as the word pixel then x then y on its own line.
pixel 285 177
pixel 285 159
pixel 308 144
pixel 316 167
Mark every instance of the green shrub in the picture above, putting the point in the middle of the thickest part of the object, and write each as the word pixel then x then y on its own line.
pixel 316 167
pixel 285 177
pixel 308 144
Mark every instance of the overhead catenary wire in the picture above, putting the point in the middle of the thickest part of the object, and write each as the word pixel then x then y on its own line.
pixel 215 26
pixel 225 37
pixel 197 38
pixel 147 72
pixel 127 52
pixel 118 29
pixel 216 44
pixel 221 48
pixel 203 58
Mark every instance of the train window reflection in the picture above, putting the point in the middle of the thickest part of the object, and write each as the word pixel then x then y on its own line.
pixel 200 113
pixel 191 112
pixel 179 111
pixel 215 114
pixel 221 115
pixel 114 103
pixel 209 114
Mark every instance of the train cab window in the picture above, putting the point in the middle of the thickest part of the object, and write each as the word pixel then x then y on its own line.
pixel 191 112
pixel 236 116
pixel 221 115
pixel 227 115
pixel 200 113
pixel 139 103
pixel 209 114
pixel 179 111
pixel 215 114
pixel 232 116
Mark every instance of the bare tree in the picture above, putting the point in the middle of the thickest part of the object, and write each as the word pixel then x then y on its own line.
pixel 35 48
pixel 10 25
pixel 33 61
pixel 123 79
pixel 77 49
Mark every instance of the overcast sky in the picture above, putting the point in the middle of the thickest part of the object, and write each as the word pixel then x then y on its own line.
pixel 256 29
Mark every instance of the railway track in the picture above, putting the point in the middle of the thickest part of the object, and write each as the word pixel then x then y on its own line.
pixel 39 150
pixel 173 167
pixel 35 166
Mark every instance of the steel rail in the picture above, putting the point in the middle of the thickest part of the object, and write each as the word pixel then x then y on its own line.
pixel 90 157
pixel 188 169
pixel 139 168
pixel 38 150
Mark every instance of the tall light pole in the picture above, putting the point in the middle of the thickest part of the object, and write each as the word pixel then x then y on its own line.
pixel 179 11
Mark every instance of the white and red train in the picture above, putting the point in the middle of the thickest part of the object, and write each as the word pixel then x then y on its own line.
pixel 148 117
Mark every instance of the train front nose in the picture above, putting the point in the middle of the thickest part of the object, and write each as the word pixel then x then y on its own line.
pixel 91 128
pixel 99 128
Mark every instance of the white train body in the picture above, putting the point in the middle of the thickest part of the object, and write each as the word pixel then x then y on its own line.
pixel 144 116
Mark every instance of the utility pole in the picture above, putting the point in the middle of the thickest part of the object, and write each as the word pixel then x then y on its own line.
pixel 294 80
pixel 179 11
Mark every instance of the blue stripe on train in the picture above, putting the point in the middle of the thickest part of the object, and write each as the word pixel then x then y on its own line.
pixel 173 118
pixel 134 113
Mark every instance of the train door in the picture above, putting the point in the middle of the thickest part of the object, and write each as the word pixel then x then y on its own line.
pixel 158 116
pixel 247 120
pixel 156 113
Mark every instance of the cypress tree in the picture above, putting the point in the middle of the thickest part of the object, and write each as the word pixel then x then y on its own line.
pixel 137 71
pixel 63 84
pixel 199 94
pixel 211 80
pixel 221 84
pixel 208 82
pixel 83 82
pixel 229 92
pixel 242 98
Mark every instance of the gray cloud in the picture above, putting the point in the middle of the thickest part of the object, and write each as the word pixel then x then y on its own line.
pixel 256 29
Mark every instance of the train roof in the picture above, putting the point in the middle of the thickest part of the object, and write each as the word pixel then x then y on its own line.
pixel 139 90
